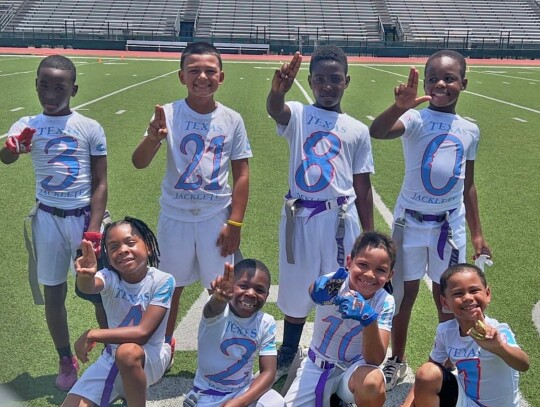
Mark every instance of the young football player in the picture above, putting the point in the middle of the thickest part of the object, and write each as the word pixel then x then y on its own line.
pixel 329 185
pixel 201 215
pixel 438 195
pixel 136 296
pixel 68 153
pixel 483 350
pixel 232 332
pixel 353 319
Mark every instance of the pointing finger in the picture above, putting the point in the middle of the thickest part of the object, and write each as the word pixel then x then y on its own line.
pixel 159 113
pixel 295 63
pixel 412 82
pixel 228 274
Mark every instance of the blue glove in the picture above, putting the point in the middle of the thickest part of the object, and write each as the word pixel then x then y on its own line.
pixel 354 306
pixel 326 287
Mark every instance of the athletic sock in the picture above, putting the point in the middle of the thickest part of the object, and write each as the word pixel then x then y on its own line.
pixel 292 334
pixel 168 339
pixel 65 351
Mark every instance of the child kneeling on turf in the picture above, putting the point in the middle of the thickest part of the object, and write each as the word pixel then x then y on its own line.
pixel 353 320
pixel 136 297
pixel 484 351
pixel 233 330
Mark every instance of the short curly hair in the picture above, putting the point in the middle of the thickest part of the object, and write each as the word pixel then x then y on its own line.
pixel 328 53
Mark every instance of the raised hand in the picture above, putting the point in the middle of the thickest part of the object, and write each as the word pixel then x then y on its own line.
pixel 86 265
pixel 223 286
pixel 353 306
pixel 157 128
pixel 325 288
pixel 21 143
pixel 284 77
pixel 406 95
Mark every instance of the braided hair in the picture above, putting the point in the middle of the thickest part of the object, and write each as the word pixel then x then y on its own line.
pixel 146 233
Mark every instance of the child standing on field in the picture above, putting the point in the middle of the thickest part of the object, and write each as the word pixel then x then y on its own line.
pixel 201 215
pixel 486 355
pixel 353 319
pixel 232 332
pixel 69 155
pixel 438 195
pixel 329 185
pixel 136 296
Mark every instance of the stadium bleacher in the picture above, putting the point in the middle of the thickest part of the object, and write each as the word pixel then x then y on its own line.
pixel 97 15
pixel 468 24
pixel 474 20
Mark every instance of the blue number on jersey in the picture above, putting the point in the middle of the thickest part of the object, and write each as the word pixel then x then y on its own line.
pixel 66 158
pixel 323 161
pixel 335 323
pixel 216 144
pixel 429 157
pixel 221 378
pixel 471 371
pixel 133 317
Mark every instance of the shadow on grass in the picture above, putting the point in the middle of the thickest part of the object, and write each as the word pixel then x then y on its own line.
pixel 171 386
pixel 28 388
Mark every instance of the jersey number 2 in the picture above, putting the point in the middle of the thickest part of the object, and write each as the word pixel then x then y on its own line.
pixel 221 377
pixel 216 146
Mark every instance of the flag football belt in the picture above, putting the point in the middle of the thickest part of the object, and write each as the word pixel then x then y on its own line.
pixel 445 236
pixel 64 213
pixel 327 367
pixel 211 392
pixel 292 205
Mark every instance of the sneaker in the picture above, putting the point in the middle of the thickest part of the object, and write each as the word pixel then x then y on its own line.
pixel 285 358
pixel 67 373
pixel 171 362
pixel 394 372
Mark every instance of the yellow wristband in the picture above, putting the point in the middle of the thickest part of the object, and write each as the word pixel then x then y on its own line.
pixel 235 223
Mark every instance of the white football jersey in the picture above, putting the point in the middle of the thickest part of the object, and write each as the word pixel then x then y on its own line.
pixel 326 150
pixel 340 340
pixel 61 150
pixel 228 346
pixel 436 147
pixel 199 149
pixel 125 303
pixel 486 378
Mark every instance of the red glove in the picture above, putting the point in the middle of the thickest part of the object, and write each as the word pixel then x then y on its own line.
pixel 95 238
pixel 21 143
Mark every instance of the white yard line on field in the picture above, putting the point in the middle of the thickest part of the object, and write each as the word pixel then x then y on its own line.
pixel 115 93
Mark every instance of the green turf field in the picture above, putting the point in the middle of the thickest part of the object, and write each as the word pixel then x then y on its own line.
pixel 121 94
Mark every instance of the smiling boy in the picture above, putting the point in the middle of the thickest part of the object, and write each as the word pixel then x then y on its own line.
pixel 69 155
pixel 330 191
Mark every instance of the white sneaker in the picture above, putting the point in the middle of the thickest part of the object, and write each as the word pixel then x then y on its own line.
pixel 394 372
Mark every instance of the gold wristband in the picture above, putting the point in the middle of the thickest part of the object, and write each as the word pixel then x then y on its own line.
pixel 235 223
